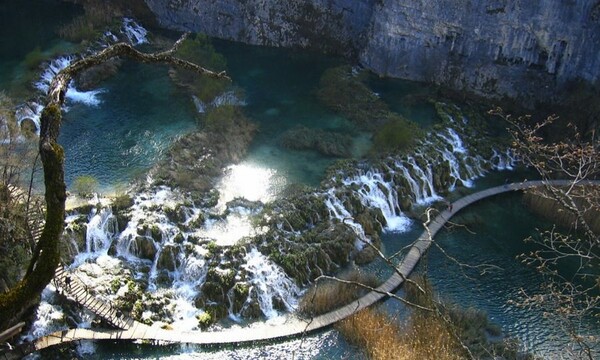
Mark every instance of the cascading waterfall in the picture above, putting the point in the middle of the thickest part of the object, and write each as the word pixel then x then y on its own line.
pixel 30 111
pixel 228 98
pixel 101 229
pixel 463 167
pixel 503 161
pixel 338 211
pixel 49 317
pixel 421 183
pixel 85 97
pixel 375 192
pixel 378 187
pixel 269 282
pixel 136 34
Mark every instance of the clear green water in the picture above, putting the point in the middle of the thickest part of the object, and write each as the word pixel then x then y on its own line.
pixel 142 112
pixel 25 26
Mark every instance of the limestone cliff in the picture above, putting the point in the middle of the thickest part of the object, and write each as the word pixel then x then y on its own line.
pixel 515 48
pixel 334 26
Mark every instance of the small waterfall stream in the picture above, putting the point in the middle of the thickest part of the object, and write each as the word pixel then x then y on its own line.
pixel 130 30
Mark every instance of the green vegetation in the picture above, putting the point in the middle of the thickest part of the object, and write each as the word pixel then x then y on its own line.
pixel 98 15
pixel 396 134
pixel 34 58
pixel 14 248
pixel 346 93
pixel 344 90
pixel 85 185
pixel 222 118
pixel 204 320
pixel 197 48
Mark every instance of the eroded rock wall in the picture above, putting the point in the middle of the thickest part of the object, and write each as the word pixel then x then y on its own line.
pixel 514 48
pixel 518 48
pixel 335 26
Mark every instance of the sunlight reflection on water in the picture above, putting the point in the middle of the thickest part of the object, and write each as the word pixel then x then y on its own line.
pixel 251 182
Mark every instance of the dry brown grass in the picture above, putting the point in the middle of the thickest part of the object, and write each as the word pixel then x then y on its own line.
pixel 327 295
pixel 382 337
pixel 426 334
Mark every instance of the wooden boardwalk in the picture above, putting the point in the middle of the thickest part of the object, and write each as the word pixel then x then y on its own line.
pixel 79 293
pixel 131 330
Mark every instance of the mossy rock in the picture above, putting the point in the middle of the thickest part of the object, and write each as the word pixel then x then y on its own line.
pixel 176 215
pixel 145 248
pixel 327 143
pixel 169 258
pixel 240 291
pixel 205 320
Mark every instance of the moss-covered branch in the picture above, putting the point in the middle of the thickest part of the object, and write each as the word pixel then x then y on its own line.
pixel 46 257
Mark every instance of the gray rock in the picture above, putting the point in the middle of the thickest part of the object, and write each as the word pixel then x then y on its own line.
pixel 515 48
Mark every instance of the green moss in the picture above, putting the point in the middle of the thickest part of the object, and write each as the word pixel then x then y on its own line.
pixel 85 185
pixel 198 49
pixel 396 134
pixel 34 58
pixel 345 92
pixel 122 202
pixel 204 320
pixel 223 118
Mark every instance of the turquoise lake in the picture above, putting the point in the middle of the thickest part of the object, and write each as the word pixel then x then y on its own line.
pixel 142 112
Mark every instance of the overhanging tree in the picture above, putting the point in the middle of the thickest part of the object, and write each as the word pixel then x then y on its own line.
pixel 46 255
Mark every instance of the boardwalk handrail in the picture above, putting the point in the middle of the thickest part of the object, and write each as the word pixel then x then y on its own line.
pixel 293 327
pixel 79 292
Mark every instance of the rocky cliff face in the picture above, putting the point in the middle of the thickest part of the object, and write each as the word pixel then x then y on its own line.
pixel 335 26
pixel 517 48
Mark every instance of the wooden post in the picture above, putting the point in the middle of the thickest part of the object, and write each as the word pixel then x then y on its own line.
pixel 11 332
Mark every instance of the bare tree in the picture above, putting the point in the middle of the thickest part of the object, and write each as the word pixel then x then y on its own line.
pixel 46 256
pixel 568 257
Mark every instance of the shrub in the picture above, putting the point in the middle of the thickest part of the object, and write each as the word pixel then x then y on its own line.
pixel 98 16
pixel 198 49
pixel 222 118
pixel 426 334
pixel 85 185
pixel 327 295
pixel 397 133
pixel 34 58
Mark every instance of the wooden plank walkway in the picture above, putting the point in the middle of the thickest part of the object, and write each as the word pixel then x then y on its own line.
pixel 131 330
pixel 77 291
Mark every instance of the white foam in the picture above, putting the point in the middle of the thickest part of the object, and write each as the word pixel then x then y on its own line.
pixel 135 32
pixel 90 98
pixel 268 282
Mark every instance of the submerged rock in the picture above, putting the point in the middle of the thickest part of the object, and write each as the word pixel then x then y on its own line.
pixel 328 143
pixel 195 161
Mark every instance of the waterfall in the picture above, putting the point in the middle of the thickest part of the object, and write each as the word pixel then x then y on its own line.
pixel 339 212
pixel 453 140
pixel 200 106
pixel 135 33
pixel 85 97
pixel 375 192
pixel 463 167
pixel 503 161
pixel 384 184
pixel 421 183
pixel 101 229
pixel 269 282
pixel 30 111
pixel 228 98
pixel 49 317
